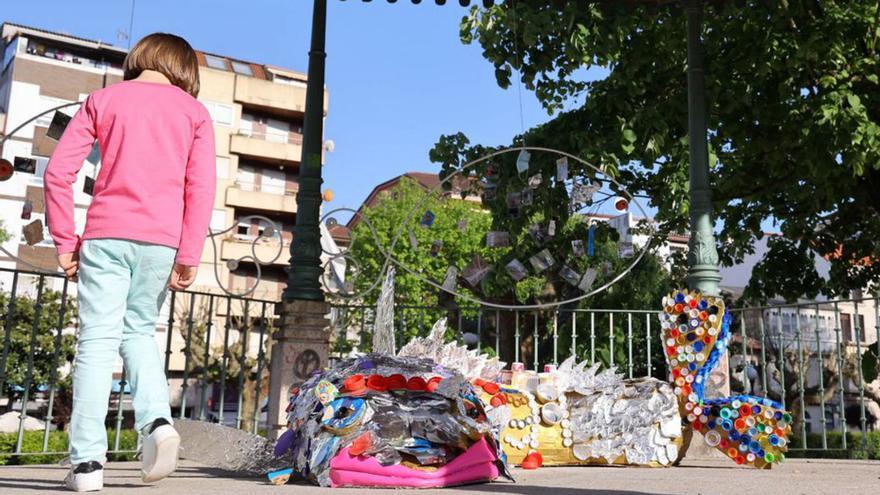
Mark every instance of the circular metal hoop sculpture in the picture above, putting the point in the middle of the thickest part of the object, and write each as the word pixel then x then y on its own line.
pixel 389 258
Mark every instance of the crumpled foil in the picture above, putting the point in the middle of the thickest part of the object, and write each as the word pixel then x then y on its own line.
pixel 227 448
pixel 383 329
pixel 469 363
pixel 428 428
pixel 611 417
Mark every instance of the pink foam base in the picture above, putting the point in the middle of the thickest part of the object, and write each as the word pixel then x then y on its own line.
pixel 476 465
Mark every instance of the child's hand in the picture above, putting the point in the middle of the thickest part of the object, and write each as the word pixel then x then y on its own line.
pixel 182 276
pixel 69 262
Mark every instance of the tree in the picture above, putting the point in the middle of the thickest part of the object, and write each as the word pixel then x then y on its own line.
pixel 458 230
pixel 462 242
pixel 41 340
pixel 206 359
pixel 793 94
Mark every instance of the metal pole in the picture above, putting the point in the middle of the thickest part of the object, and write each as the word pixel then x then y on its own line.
pixel 702 256
pixel 303 281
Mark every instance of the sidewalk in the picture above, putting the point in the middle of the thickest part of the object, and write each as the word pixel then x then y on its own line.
pixel 709 478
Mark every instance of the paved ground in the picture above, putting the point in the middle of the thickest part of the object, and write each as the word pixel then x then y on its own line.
pixel 701 477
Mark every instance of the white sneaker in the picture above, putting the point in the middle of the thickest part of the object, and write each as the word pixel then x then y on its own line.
pixel 85 477
pixel 159 454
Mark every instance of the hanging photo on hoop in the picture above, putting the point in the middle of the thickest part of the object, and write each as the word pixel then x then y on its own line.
pixel 451 278
pixel 59 123
pixel 569 275
pixel 562 170
pixel 516 270
pixel 476 271
pixel 542 261
pixel 577 248
pixel 497 239
pixel 25 165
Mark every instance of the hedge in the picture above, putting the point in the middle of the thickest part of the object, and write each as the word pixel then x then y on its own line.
pixel 32 443
pixel 854 449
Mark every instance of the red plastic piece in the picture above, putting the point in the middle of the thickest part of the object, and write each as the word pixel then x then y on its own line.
pixel 377 383
pixel 354 383
pixel 396 382
pixel 533 461
pixel 416 384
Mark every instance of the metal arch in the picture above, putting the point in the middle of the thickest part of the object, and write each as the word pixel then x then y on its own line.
pixel 389 258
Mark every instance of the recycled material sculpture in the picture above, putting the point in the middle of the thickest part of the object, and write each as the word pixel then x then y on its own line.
pixel 568 416
pixel 384 421
pixel 750 430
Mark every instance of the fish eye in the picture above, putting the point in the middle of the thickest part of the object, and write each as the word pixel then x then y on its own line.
pixel 342 412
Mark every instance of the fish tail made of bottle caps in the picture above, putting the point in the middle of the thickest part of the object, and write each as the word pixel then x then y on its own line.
pixel 696 330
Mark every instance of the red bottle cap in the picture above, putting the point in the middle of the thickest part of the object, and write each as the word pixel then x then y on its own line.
pixel 532 461
pixel 377 383
pixel 416 384
pixel 354 383
pixel 433 383
pixel 491 388
pixel 396 382
pixel 496 401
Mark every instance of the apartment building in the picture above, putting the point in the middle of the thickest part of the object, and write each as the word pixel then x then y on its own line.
pixel 258 116
pixel 258 113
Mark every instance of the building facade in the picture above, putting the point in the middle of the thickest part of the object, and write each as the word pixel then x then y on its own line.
pixel 258 115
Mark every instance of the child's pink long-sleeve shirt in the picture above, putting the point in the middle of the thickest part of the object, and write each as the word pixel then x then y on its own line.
pixel 158 169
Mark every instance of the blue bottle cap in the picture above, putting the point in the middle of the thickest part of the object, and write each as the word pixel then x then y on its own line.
pixel 698 346
pixel 745 439
pixel 777 415
pixel 734 435
pixel 756 409
pixel 679 297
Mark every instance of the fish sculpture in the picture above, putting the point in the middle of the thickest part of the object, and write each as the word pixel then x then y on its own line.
pixel 753 431
pixel 385 421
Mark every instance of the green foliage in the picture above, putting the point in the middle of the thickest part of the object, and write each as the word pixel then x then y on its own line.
pixel 393 218
pixel 32 442
pixel 4 235
pixel 793 98
pixel 854 447
pixel 45 336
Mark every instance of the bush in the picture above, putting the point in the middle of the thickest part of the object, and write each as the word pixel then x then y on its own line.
pixel 835 450
pixel 32 444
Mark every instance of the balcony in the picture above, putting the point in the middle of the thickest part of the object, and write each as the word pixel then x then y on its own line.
pixel 281 99
pixel 263 148
pixel 237 247
pixel 258 200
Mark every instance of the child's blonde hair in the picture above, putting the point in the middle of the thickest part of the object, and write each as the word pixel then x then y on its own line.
pixel 168 54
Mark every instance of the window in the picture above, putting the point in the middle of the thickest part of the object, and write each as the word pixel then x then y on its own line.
pixel 277 131
pixel 850 333
pixel 241 68
pixel 245 178
pixel 221 113
pixel 218 221
pixel 215 62
pixel 272 182
pixel 222 167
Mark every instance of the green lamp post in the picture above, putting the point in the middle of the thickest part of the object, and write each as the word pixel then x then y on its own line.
pixel 702 257
pixel 304 273
pixel 305 269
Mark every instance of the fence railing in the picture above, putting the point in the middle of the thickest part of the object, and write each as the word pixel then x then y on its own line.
pixel 808 355
pixel 812 364
pixel 215 349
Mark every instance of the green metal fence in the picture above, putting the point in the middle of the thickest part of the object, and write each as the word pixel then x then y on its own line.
pixel 808 356
pixel 207 340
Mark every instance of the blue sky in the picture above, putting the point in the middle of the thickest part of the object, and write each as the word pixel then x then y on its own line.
pixel 398 76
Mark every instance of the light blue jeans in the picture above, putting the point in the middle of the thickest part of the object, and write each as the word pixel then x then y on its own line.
pixel 122 285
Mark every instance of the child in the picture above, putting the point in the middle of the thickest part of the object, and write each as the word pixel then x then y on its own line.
pixel 144 232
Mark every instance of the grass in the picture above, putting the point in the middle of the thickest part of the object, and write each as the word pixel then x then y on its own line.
pixel 32 445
